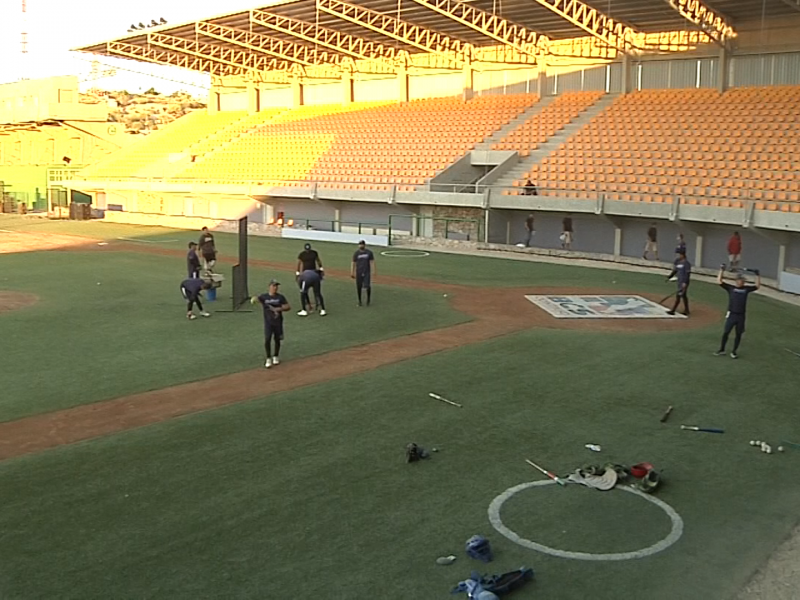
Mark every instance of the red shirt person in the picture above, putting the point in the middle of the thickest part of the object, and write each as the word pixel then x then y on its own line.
pixel 734 250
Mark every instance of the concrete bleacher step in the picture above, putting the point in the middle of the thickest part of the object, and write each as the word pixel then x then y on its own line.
pixel 518 171
pixel 501 133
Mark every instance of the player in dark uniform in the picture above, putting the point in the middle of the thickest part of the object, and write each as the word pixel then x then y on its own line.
pixel 274 304
pixel 683 271
pixel 311 280
pixel 190 289
pixel 362 270
pixel 193 261
pixel 308 260
pixel 208 249
pixel 737 309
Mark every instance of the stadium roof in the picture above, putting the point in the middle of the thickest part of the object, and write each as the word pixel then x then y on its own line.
pixel 555 19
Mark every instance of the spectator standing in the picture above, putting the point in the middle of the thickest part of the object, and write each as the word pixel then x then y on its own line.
pixel 651 245
pixel 734 250
pixel 567 233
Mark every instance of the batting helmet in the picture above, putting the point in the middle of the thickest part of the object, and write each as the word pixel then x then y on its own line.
pixel 478 547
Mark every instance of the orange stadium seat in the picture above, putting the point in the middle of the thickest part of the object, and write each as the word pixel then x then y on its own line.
pixel 708 147
pixel 364 146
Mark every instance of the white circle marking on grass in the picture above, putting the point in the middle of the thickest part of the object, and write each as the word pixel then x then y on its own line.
pixel 673 536
pixel 405 253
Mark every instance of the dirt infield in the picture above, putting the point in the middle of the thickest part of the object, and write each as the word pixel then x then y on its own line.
pixel 12 242
pixel 16 300
pixel 508 313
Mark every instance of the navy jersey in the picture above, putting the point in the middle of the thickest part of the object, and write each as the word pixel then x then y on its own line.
pixel 309 277
pixel 567 224
pixel 737 297
pixel 192 261
pixel 192 286
pixel 362 258
pixel 680 248
pixel 309 259
pixel 268 301
pixel 652 234
pixel 683 270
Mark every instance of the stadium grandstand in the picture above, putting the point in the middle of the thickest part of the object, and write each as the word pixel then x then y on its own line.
pixel 622 113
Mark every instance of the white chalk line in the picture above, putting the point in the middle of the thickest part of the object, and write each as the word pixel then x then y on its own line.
pixel 405 253
pixel 673 536
pixel 126 239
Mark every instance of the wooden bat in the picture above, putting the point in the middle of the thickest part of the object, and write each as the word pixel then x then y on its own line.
pixel 665 298
pixel 546 472
pixel 792 352
pixel 706 429
pixel 438 397
pixel 790 444
pixel 666 414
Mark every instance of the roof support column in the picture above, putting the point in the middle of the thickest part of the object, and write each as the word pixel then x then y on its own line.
pixel 253 98
pixel 348 91
pixel 402 83
pixel 724 67
pixel 297 92
pixel 541 79
pixel 469 80
pixel 213 101
pixel 627 74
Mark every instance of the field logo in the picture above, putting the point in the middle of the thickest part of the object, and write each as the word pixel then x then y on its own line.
pixel 601 307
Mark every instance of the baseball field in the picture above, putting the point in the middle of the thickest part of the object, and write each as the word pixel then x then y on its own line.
pixel 143 455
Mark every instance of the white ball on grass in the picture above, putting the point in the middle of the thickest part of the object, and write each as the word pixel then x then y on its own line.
pixel 780 448
pixel 752 442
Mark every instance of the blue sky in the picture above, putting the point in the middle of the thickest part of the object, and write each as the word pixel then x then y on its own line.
pixel 55 27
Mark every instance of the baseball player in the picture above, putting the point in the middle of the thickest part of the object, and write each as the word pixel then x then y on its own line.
pixel 208 249
pixel 190 289
pixel 362 269
pixel 311 280
pixel 193 261
pixel 737 309
pixel 683 271
pixel 308 260
pixel 274 304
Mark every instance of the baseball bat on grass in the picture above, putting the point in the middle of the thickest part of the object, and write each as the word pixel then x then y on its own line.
pixel 546 472
pixel 438 397
pixel 705 429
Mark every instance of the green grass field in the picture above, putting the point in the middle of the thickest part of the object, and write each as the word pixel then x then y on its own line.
pixel 305 494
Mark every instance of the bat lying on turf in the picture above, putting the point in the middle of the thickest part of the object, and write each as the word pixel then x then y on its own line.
pixel 546 472
pixel 666 414
pixel 706 429
pixel 438 397
pixel 792 352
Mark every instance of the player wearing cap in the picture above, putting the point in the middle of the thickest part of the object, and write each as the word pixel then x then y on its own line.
pixel 683 270
pixel 362 269
pixel 737 308
pixel 193 261
pixel 311 280
pixel 308 260
pixel 208 248
pixel 274 304
pixel 190 290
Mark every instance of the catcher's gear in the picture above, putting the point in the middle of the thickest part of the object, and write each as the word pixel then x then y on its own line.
pixel 478 547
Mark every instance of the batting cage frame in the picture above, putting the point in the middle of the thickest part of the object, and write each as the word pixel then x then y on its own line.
pixel 240 288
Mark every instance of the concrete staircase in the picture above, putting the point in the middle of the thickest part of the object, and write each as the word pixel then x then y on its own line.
pixel 498 135
pixel 518 172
